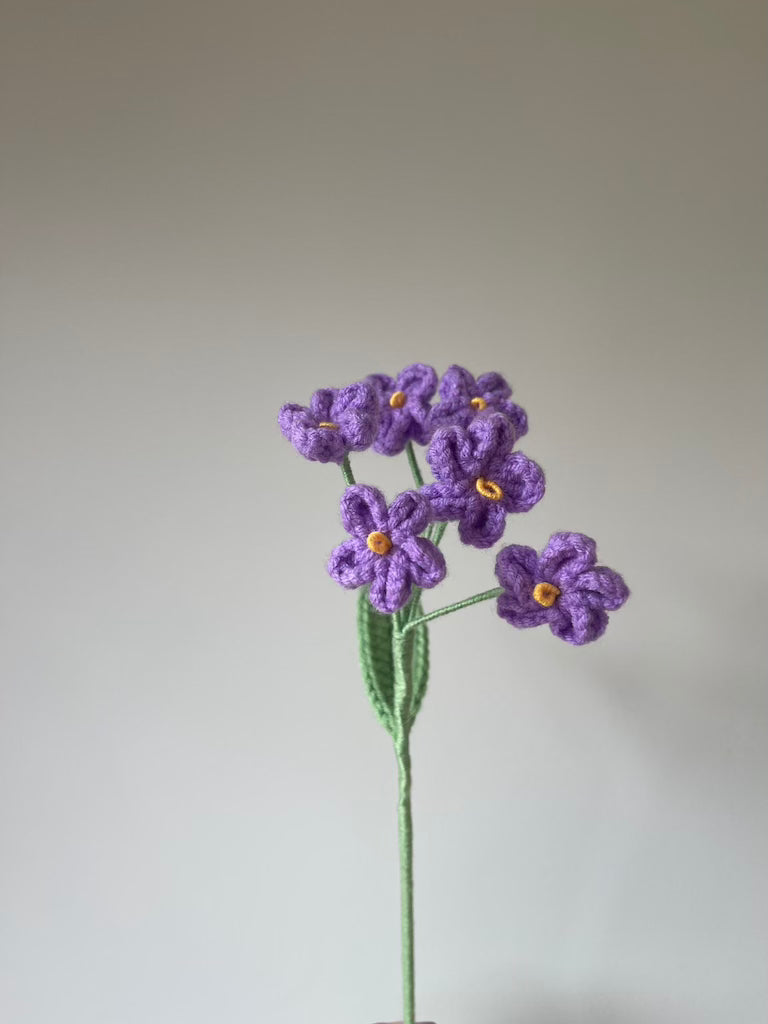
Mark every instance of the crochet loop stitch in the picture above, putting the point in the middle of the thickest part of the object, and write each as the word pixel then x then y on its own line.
pixel 488 489
pixel 546 594
pixel 379 543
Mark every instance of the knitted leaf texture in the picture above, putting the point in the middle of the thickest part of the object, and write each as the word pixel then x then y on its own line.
pixel 377 665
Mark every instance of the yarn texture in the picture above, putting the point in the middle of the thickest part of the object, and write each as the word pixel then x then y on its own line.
pixel 562 587
pixel 335 423
pixel 385 549
pixel 403 407
pixel 479 479
pixel 462 397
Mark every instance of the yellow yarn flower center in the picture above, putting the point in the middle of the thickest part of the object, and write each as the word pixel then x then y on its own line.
pixel 379 543
pixel 398 399
pixel 328 426
pixel 479 404
pixel 546 594
pixel 488 489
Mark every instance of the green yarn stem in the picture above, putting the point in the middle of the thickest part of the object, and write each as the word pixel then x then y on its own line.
pixel 411 609
pixel 437 533
pixel 418 479
pixel 487 595
pixel 346 471
pixel 402 724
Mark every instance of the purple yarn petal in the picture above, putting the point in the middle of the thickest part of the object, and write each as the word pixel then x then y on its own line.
pixel 382 384
pixel 516 569
pixel 446 415
pixel 356 410
pixel 360 397
pixel 427 563
pixel 447 501
pixel 574 620
pixel 459 453
pixel 456 385
pixel 516 572
pixel 394 431
pixel 409 515
pixel 286 416
pixel 351 564
pixel 566 556
pixel 421 431
pixel 517 417
pixel 315 443
pixel 492 386
pixel 522 481
pixel 523 616
pixel 321 403
pixel 391 586
pixel 363 511
pixel 417 381
pixel 482 523
pixel 492 437
pixel 452 457
pixel 603 588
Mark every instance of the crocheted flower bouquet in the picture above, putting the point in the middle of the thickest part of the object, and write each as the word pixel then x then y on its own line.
pixel 393 550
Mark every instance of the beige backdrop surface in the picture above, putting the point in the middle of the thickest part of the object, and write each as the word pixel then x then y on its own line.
pixel 213 208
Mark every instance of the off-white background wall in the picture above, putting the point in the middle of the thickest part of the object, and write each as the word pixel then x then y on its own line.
pixel 212 208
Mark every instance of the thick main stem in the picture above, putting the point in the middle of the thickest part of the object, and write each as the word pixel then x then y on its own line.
pixel 402 709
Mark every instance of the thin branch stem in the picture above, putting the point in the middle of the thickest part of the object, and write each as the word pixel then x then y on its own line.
pixel 409 612
pixel 418 479
pixel 487 595
pixel 346 471
pixel 437 532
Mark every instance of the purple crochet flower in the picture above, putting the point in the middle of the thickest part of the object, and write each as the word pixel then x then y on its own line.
pixel 562 587
pixel 462 398
pixel 404 407
pixel 386 549
pixel 337 421
pixel 480 479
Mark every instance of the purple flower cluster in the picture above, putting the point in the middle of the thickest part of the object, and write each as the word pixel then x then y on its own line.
pixel 479 479
pixel 387 412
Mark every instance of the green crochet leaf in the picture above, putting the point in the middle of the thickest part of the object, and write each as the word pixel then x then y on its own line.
pixel 377 664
